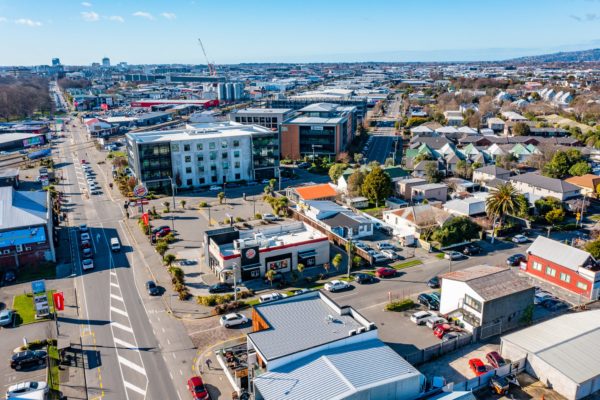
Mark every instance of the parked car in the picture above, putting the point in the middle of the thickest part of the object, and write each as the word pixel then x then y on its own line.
pixel 420 317
pixel 269 217
pixel 453 255
pixel 519 239
pixel 300 291
pixel 428 301
pixel 542 296
pixel 163 232
pixel 437 296
pixel 27 358
pixel 495 359
pixel 434 282
pixel 265 298
pixel 303 165
pixel 379 258
pixel 220 287
pixel 85 236
pixel 87 253
pixel 160 228
pixel 361 245
pixel 6 317
pixel 10 275
pixel 391 254
pixel 384 245
pixel 449 336
pixel 363 278
pixel 24 390
pixel 434 321
pixel 232 320
pixel 553 304
pixel 87 263
pixel 152 288
pixel 441 329
pixel 477 366
pixel 336 286
pixel 385 272
pixel 215 188
pixel 515 260
pixel 83 228
pixel 471 249
pixel 197 388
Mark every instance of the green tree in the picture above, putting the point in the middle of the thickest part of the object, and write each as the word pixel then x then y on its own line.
pixel 162 247
pixel 358 157
pixel 520 129
pixel 555 216
pixel 463 169
pixel 270 275
pixel 182 203
pixel 422 157
pixel 502 200
pixel 547 204
pixel 169 259
pixel 355 181
pixel 337 261
pixel 476 165
pixel 300 267
pixel 522 206
pixel 455 231
pixel 593 248
pixel 432 173
pixel 377 186
pixel 580 168
pixel 167 206
pixel 221 197
pixel 336 171
pixel 559 165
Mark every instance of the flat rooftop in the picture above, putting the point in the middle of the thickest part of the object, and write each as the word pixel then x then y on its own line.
pixel 262 111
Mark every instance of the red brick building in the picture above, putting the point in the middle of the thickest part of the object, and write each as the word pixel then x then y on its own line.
pixel 565 266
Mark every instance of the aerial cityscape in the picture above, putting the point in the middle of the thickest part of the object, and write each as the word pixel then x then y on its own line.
pixel 391 200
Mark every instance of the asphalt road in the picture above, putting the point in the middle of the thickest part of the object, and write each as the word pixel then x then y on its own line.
pixel 143 352
pixel 380 148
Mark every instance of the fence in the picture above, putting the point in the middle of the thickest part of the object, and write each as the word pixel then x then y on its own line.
pixel 438 350
pixel 480 381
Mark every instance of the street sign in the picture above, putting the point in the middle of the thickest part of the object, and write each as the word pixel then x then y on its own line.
pixel 59 301
pixel 145 218
pixel 140 191
pixel 38 287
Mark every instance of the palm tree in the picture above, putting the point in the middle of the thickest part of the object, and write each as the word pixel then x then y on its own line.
pixel 502 200
pixel 182 203
pixel 221 196
pixel 169 259
pixel 337 261
pixel 300 268
pixel 167 206
pixel 270 275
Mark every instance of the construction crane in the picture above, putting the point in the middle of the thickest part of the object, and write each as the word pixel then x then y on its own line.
pixel 211 66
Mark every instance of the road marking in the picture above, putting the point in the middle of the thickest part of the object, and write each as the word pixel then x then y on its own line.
pixel 205 330
pixel 118 311
pixel 114 296
pixel 132 365
pixel 168 340
pixel 114 284
pixel 134 388
pixel 124 344
pixel 113 273
pixel 121 326
pixel 181 372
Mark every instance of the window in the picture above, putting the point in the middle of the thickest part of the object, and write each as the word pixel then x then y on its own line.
pixel 175 147
pixel 212 145
pixel 224 144
pixel 188 159
pixel 188 170
pixel 189 182
pixel 224 155
pixel 236 143
pixel 471 302
pixel 236 153
pixel 200 158
pixel 536 266
pixel 565 277
pixel 213 167
pixel 237 177
pixel 213 155
pixel 550 271
pixel 236 164
pixel 582 286
pixel 202 181
pixel 199 147
pixel 237 119
pixel 186 147
pixel 201 168
pixel 213 178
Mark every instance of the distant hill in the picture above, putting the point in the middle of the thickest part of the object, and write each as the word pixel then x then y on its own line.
pixel 592 55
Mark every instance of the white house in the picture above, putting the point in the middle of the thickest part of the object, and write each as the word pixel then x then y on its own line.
pixel 536 186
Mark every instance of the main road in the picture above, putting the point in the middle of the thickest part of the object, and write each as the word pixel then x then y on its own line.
pixel 142 352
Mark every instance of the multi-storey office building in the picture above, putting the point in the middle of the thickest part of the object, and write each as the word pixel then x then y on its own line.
pixel 204 154
pixel 268 117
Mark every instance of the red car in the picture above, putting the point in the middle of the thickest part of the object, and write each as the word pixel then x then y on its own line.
pixel 85 245
pixel 441 329
pixel 197 388
pixel 495 359
pixel 385 272
pixel 163 232
pixel 477 366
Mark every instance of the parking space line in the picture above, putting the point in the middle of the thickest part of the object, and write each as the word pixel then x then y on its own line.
pixel 121 326
pixel 118 311
pixel 134 388
pixel 131 365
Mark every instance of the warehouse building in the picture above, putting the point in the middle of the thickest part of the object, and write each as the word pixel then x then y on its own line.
pixel 563 353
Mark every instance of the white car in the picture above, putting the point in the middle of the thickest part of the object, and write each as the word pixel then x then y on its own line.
pixel 24 390
pixel 215 188
pixel 85 236
pixel 384 246
pixel 390 254
pixel 269 217
pixel 431 322
pixel 232 320
pixel 336 285
pixel 519 239
pixel 86 264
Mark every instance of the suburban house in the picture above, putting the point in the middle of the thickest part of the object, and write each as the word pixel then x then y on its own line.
pixel 404 187
pixel 396 174
pixel 535 186
pixel 565 266
pixel 488 300
pixel 338 219
pixel 327 346
pixel 429 192
pixel 468 207
pixel 489 172
pixel 588 183
pixel 96 127
pixel 495 124
pixel 412 221
pixel 324 191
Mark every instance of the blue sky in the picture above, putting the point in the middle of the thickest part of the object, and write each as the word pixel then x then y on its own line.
pixel 153 31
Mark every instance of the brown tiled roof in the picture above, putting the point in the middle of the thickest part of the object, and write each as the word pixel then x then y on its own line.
pixel 588 181
pixel 314 192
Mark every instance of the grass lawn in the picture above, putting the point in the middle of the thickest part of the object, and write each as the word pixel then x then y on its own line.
pixel 23 305
pixel 252 302
pixel 595 217
pixel 406 264
pixel 375 211
pixel 53 372
pixel 36 272
pixel 440 256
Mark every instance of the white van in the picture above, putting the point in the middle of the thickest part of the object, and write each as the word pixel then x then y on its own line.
pixel 115 245
pixel 271 297
pixel 420 317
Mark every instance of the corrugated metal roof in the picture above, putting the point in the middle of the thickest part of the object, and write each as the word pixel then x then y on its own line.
pixel 568 343
pixel 298 323
pixel 337 373
pixel 22 209
pixel 559 253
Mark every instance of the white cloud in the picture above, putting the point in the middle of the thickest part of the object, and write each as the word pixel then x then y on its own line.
pixel 116 18
pixel 169 15
pixel 28 22
pixel 86 4
pixel 143 14
pixel 2 19
pixel 90 16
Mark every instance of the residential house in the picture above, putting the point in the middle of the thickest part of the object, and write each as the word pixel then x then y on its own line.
pixel 338 219
pixel 588 184
pixel 430 192
pixel 395 173
pixel 487 173
pixel 323 191
pixel 454 118
pixel 404 187
pixel 536 186
pixel 565 266
pixel 487 300
pixel 413 221
pixel 495 124
pixel 468 207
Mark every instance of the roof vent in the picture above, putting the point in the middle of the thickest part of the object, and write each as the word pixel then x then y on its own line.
pixel 352 332
pixel 361 329
pixel 330 318
pixel 371 326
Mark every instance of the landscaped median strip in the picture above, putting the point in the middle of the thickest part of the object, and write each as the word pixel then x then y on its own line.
pixel 53 371
pixel 406 264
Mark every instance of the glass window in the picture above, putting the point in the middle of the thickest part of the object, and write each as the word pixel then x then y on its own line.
pixel 213 167
pixel 237 164
pixel 199 147
pixel 188 159
pixel 536 266
pixel 236 153
pixel 190 182
pixel 237 177
pixel 224 155
pixel 188 170
pixel 202 180
pixel 200 157
pixel 213 155
pixel 236 143
pixel 582 286
pixel 237 119
pixel 565 277
pixel 213 178
pixel 550 271
pixel 201 168
pixel 224 144
pixel 186 147
pixel 212 145
pixel 225 165
pixel 471 302
pixel 175 146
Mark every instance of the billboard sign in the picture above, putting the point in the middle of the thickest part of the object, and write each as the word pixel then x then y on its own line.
pixel 38 287
pixel 59 301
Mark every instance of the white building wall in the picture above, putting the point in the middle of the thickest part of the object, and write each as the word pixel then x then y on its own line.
pixel 453 294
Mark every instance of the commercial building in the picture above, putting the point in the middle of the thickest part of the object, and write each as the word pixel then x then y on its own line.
pixel 488 300
pixel 298 103
pixel 268 117
pixel 19 141
pixel 204 154
pixel 252 253
pixel 159 102
pixel 565 266
pixel 319 129
pixel 26 228
pixel 308 347
pixel 562 353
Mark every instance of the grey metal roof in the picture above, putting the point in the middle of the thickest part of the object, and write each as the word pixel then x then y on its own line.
pixel 491 282
pixel 22 209
pixel 342 219
pixel 298 323
pixel 552 184
pixel 338 373
pixel 492 170
pixel 568 343
pixel 559 253
pixel 320 107
pixel 14 137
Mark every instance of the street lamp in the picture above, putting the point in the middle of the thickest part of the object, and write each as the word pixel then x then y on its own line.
pixel 318 146
pixel 232 270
